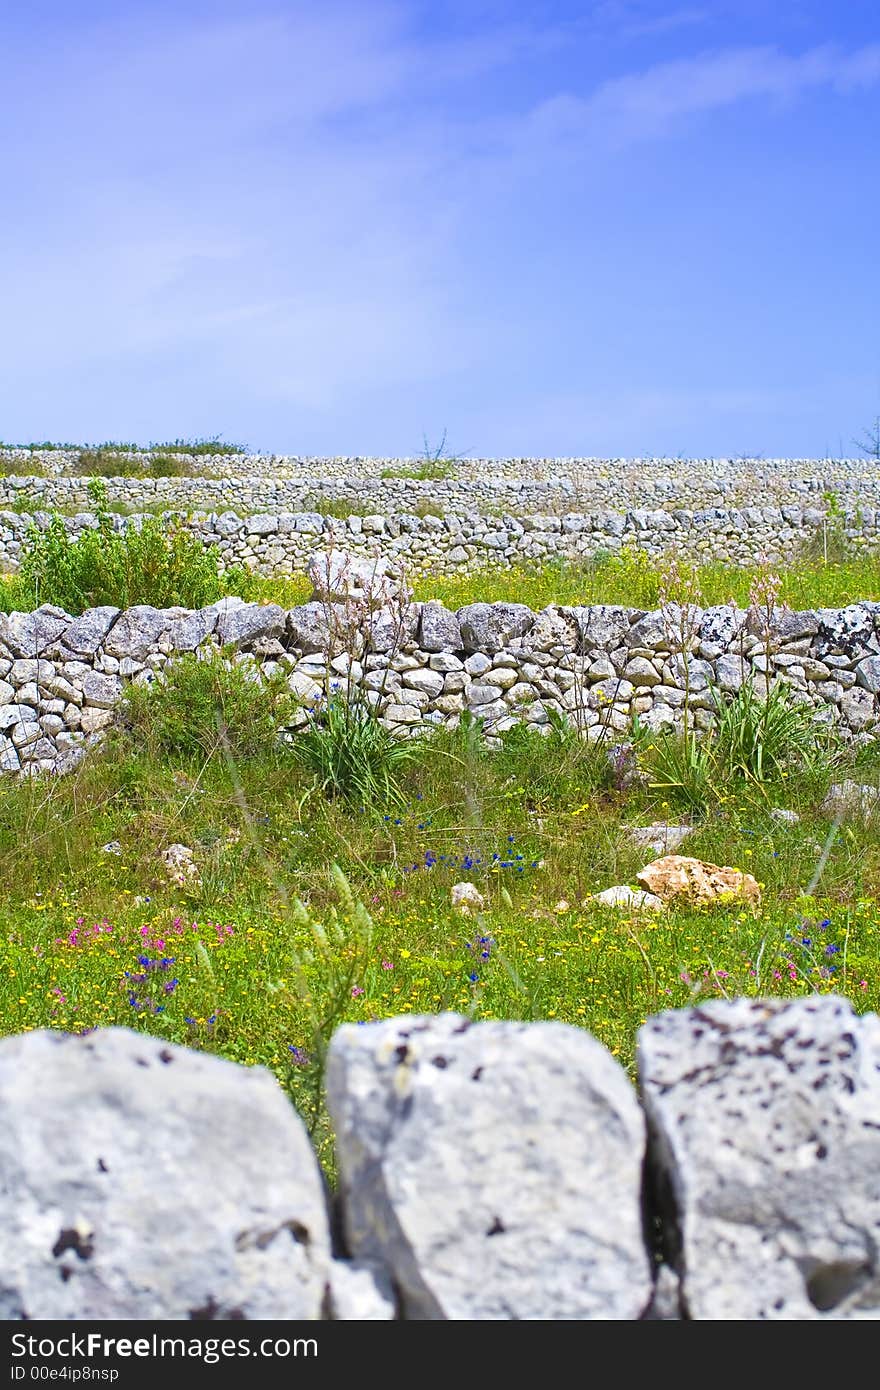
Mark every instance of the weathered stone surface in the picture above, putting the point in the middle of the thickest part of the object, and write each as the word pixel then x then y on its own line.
pixel 29 634
pixel 847 799
pixel 153 1182
pixel 103 691
pixel 641 672
pixel 868 674
pixel 488 627
pixel 661 837
pixel 318 627
pixel 765 1121
pixel 244 626
pixel 340 577
pixel 86 633
pixel 493 1212
pixel 188 631
pixel 440 630
pixel 731 673
pixel 431 682
pixel 848 630
pixel 705 885
pixel 602 625
pixel 466 898
pixel 180 866
pixel 13 715
pixel 135 632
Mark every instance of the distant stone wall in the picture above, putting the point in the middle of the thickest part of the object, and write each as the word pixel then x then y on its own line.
pixel 421 665
pixel 487 1171
pixel 261 482
pixel 280 543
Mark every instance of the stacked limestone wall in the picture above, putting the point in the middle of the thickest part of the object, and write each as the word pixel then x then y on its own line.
pixel 421 665
pixel 280 543
pixel 486 1171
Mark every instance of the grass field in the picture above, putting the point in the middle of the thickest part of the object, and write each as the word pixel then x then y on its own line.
pixel 270 948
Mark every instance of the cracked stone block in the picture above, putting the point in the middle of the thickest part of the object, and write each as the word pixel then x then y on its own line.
pixel 153 1182
pixel 492 1169
pixel 764 1124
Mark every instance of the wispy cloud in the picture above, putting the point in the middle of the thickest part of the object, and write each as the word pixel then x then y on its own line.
pixel 650 103
pixel 316 207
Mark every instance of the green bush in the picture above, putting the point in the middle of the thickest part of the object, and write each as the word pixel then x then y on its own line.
pixel 764 736
pixel 351 755
pixel 11 468
pixel 209 704
pixel 760 738
pixel 110 463
pixel 214 445
pixel 153 563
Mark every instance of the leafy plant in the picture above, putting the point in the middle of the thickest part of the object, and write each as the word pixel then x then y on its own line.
pixel 201 702
pixel 154 562
pixel 351 754
pixel 764 736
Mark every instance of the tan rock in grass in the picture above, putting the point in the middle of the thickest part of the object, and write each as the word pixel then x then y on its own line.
pixel 181 867
pixel 704 885
pixel 467 898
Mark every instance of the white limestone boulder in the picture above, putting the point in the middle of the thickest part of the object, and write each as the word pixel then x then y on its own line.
pixel 492 1169
pixel 153 1182
pixel 765 1124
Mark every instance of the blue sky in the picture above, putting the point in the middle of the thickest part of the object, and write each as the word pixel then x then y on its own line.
pixel 624 227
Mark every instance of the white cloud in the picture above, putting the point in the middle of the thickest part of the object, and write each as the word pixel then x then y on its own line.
pixel 647 104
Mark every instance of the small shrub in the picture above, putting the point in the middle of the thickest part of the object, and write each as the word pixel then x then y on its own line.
pixel 196 447
pixel 764 736
pixel 682 767
pixel 207 704
pixel 109 463
pixel 351 755
pixel 11 468
pixel 151 563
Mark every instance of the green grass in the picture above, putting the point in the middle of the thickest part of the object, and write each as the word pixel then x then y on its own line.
pixel 11 469
pixel 269 952
pixel 110 463
pixel 428 471
pixel 631 579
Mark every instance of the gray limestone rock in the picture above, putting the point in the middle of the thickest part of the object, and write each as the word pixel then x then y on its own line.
pixel 868 674
pixel 764 1117
pixel 471 1157
pixel 602 626
pixel 153 1182
pixel 317 627
pixel 440 630
pixel 87 632
pixel 103 691
pixel 848 798
pixel 244 626
pixel 188 631
pixel 135 632
pixel 487 627
pixel 29 634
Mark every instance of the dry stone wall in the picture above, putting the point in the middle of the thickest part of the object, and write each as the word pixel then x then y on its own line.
pixel 487 1171
pixel 269 512
pixel 280 543
pixel 419 665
